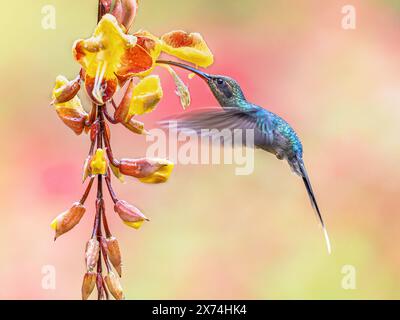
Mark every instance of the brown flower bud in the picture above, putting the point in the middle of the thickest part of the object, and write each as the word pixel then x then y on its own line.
pixel 114 286
pixel 121 113
pixel 114 254
pixel 129 214
pixel 106 4
pixel 118 11
pixel 68 91
pixel 89 281
pixel 147 170
pixel 135 126
pixel 116 173
pixel 92 254
pixel 72 118
pixel 68 219
pixel 125 12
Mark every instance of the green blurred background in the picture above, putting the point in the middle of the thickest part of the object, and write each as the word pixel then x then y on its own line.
pixel 212 234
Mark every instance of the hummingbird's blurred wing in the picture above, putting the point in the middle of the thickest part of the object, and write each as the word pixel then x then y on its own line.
pixel 224 124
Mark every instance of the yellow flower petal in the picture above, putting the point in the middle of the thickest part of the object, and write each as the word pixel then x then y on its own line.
pixel 161 175
pixel 98 164
pixel 86 170
pixel 117 173
pixel 53 224
pixel 146 95
pixel 189 47
pixel 135 225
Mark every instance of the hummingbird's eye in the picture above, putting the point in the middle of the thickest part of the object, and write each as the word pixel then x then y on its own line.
pixel 224 87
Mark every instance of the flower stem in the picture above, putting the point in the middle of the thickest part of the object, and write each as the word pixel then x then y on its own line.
pixel 109 117
pixel 97 117
pixel 111 190
pixel 87 191
pixel 110 156
pixel 105 223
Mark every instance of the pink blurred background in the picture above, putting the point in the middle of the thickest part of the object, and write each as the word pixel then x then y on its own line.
pixel 213 234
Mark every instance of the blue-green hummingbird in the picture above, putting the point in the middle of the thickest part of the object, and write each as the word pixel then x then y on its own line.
pixel 271 132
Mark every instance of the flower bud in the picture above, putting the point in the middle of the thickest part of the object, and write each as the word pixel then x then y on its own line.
pixel 72 118
pixel 114 285
pixel 92 254
pixel 98 163
pixel 86 169
pixel 117 173
pixel 121 113
pixel 114 254
pixel 89 281
pixel 147 170
pixel 129 214
pixel 66 90
pixel 125 12
pixel 68 219
pixel 135 126
pixel 68 105
pixel 106 4
pixel 117 11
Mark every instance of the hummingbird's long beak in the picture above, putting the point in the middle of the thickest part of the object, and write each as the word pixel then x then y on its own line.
pixel 201 74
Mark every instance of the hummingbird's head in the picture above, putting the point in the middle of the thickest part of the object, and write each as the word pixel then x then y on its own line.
pixel 225 89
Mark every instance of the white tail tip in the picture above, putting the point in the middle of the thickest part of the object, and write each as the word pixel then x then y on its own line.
pixel 328 242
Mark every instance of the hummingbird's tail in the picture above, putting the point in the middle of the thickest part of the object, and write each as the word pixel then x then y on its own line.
pixel 299 167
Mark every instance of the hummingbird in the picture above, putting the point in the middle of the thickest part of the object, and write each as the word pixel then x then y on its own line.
pixel 271 133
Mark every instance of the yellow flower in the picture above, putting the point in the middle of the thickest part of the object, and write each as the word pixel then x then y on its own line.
pixel 190 47
pixel 110 56
pixel 98 164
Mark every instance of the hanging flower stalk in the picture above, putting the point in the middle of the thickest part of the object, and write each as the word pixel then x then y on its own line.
pixel 110 60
